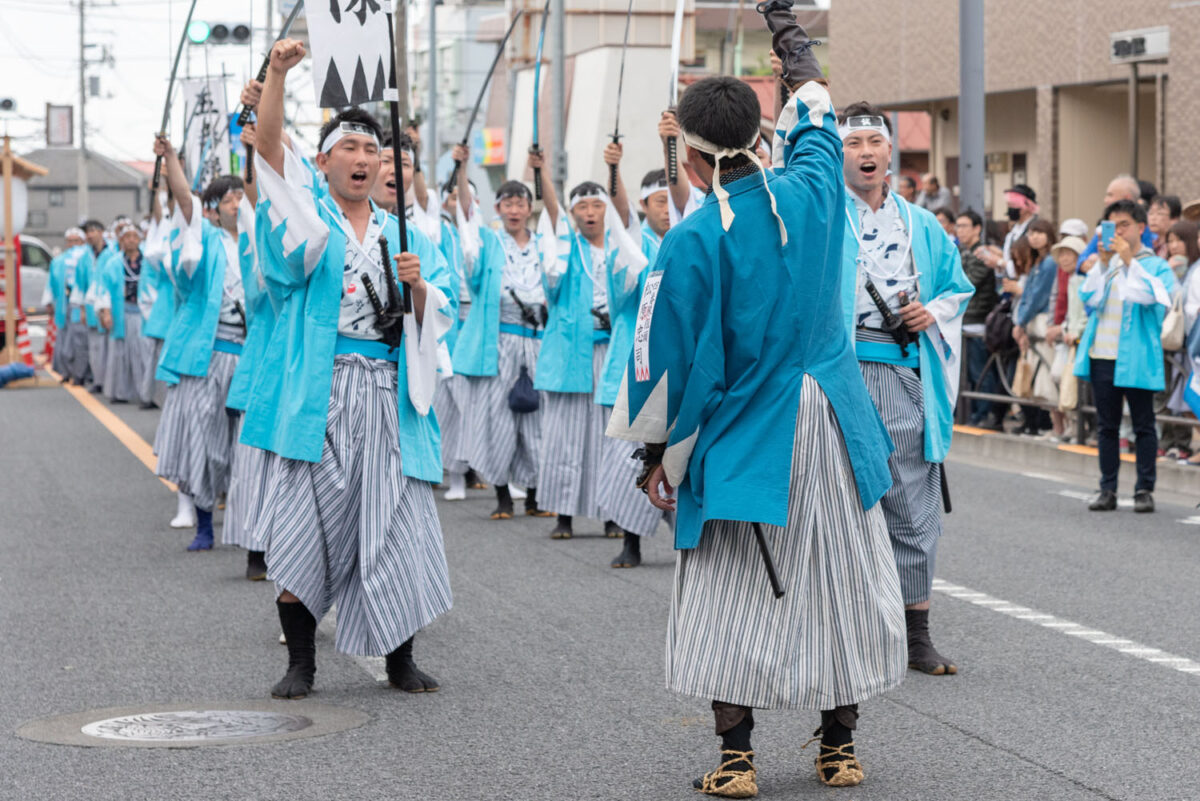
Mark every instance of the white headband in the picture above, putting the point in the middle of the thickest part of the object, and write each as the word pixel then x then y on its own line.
pixel 76 232
pixel 650 189
pixel 864 124
pixel 125 228
pixel 347 129
pixel 587 194
pixel 718 152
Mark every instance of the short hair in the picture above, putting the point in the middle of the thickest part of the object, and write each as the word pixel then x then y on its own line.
pixel 1129 184
pixel 864 109
pixel 218 188
pixel 1146 191
pixel 945 212
pixel 724 111
pixel 352 114
pixel 93 225
pixel 1172 203
pixel 1187 232
pixel 1131 207
pixel 972 217
pixel 514 189
pixel 587 188
pixel 908 181
pixel 653 177
pixel 933 179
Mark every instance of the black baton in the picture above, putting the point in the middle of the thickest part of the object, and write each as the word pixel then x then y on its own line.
pixel 768 560
pixel 945 489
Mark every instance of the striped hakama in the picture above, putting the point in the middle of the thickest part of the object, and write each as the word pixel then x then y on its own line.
pixel 97 351
pixel 194 441
pixel 505 446
pixel 247 483
pixel 75 347
pixel 352 529
pixel 837 636
pixel 572 444
pixel 151 389
pixel 913 506
pixel 125 368
pixel 451 404
pixel 618 497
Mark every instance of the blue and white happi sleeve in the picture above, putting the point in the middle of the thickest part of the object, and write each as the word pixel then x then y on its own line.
pixel 292 233
pixel 1144 289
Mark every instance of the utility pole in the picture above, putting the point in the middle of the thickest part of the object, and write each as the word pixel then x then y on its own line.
pixel 558 170
pixel 81 164
pixel 971 102
pixel 431 148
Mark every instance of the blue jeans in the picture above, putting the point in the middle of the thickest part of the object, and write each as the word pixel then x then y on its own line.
pixel 977 358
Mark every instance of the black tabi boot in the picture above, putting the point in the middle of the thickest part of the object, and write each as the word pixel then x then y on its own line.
pixel 256 565
pixel 473 480
pixel 612 530
pixel 562 529
pixel 631 554
pixel 837 766
pixel 922 655
pixel 735 777
pixel 403 674
pixel 531 507
pixel 300 629
pixel 504 504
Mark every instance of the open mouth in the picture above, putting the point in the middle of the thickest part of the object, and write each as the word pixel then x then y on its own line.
pixel 391 185
pixel 868 168
pixel 359 176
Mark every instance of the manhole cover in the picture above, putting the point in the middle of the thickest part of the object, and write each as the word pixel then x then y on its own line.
pixel 194 725
pixel 206 726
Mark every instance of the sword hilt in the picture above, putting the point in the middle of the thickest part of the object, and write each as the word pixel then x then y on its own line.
pixel 244 117
pixel 612 170
pixel 537 172
pixel 672 161
pixel 249 164
pixel 158 160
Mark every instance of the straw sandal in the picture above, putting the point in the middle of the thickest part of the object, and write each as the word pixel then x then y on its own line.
pixel 730 783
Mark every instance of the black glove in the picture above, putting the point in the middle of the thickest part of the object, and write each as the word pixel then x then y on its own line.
pixel 791 43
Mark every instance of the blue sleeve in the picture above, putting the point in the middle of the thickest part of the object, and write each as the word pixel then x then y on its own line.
pixel 1088 252
pixel 1036 298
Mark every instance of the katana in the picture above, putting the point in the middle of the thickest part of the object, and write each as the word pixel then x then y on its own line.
pixel 537 87
pixel 768 560
pixel 394 113
pixel 244 117
pixel 673 89
pixel 616 134
pixel 162 129
pixel 479 100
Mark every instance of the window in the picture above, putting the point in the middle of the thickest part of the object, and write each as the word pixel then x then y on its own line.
pixel 55 197
pixel 34 256
pixel 37 219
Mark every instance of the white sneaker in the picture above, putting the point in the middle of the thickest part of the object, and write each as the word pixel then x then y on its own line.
pixel 282 638
pixel 516 492
pixel 185 514
pixel 458 487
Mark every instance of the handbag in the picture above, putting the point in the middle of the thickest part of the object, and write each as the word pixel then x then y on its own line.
pixel 523 398
pixel 1022 385
pixel 1172 328
pixel 1068 388
pixel 998 328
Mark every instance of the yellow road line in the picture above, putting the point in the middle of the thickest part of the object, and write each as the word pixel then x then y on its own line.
pixel 116 426
pixel 1084 450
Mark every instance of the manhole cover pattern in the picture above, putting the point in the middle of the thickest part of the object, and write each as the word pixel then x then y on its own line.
pixel 196 726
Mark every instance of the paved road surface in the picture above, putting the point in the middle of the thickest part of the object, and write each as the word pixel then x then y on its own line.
pixel 552 663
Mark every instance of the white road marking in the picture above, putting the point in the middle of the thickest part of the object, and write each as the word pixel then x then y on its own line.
pixel 1088 497
pixel 1194 520
pixel 1146 653
pixel 1045 477
pixel 373 666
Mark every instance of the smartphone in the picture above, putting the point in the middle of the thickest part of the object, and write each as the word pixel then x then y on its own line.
pixel 1108 229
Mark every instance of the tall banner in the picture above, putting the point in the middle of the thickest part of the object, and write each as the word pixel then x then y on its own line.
pixel 351 50
pixel 205 130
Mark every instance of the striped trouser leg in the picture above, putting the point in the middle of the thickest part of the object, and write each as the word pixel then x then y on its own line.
pixel 912 506
pixel 195 435
pixel 619 498
pixel 97 354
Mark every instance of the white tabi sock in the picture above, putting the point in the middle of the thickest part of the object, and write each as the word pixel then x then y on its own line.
pixel 458 487
pixel 185 514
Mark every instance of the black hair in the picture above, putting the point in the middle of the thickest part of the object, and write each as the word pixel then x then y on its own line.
pixel 93 225
pixel 1131 207
pixel 654 177
pixel 908 181
pixel 971 215
pixel 218 188
pixel 353 114
pixel 587 188
pixel 1148 191
pixel 864 109
pixel 1174 207
pixel 947 212
pixel 723 110
pixel 514 189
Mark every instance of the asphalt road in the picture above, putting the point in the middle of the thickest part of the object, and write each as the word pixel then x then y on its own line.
pixel 551 662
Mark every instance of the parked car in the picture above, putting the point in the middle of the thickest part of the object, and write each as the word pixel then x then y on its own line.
pixel 35 272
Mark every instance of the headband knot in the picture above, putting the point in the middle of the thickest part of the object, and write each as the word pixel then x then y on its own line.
pixel 719 152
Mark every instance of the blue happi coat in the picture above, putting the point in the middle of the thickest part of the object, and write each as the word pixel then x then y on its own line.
pixel 199 279
pixel 301 252
pixel 57 280
pixel 87 279
pixel 164 245
pixel 1146 295
pixel 260 314
pixel 735 322
pixel 112 282
pixel 945 290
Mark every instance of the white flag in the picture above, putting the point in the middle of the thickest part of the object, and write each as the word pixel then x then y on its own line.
pixel 351 50
pixel 205 130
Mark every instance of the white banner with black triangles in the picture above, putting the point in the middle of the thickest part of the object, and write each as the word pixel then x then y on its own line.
pixel 350 50
pixel 205 130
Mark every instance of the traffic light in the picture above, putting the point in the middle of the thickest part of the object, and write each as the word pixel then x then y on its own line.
pixel 7 104
pixel 219 33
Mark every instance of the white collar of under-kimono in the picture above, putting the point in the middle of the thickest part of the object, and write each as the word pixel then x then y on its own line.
pixel 378 216
pixel 719 152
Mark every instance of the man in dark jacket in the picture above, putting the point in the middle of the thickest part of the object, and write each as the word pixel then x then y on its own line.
pixel 969 227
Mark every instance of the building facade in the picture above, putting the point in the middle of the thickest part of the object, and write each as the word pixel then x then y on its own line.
pixel 1058 109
